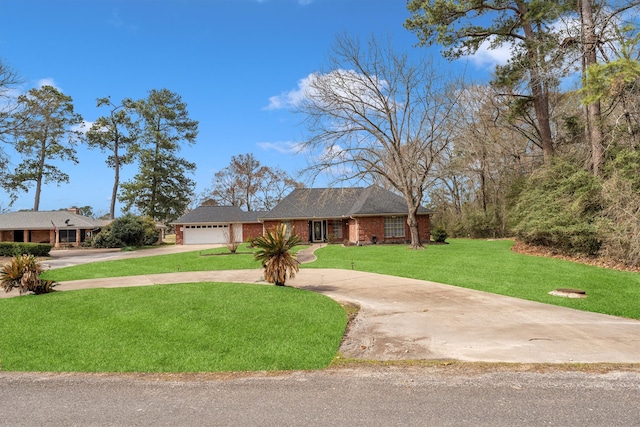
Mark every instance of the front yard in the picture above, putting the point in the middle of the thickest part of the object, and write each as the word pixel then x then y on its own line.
pixel 233 327
pixel 483 265
pixel 188 327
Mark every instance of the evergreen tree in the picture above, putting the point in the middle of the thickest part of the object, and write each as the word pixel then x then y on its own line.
pixel 161 189
pixel 116 134
pixel 47 131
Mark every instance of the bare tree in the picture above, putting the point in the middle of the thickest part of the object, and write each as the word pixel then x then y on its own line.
pixel 376 116
pixel 476 173
pixel 248 184
pixel 275 186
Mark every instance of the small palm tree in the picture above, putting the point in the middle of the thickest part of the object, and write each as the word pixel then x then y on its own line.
pixel 274 253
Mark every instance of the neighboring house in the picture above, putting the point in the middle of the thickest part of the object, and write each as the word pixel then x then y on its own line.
pixel 215 224
pixel 58 228
pixel 355 215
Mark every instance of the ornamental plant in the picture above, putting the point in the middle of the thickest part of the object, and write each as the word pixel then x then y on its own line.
pixel 274 252
pixel 23 272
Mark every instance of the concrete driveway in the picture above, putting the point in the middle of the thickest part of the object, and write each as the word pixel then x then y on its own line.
pixel 407 319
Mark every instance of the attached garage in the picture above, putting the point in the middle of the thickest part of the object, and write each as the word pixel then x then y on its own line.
pixel 212 225
pixel 210 233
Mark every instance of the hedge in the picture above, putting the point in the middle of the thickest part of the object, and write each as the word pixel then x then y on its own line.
pixel 20 248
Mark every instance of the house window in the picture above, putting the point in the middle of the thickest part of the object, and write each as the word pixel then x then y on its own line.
pixel 394 226
pixel 67 236
pixel 337 228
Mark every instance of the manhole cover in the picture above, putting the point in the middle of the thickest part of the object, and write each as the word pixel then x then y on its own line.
pixel 569 293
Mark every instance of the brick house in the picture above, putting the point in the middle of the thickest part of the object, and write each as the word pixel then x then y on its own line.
pixel 356 215
pixel 63 228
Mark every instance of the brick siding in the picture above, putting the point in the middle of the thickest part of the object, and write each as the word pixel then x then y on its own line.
pixel 251 231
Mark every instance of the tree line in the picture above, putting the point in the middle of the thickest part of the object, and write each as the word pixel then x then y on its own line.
pixel 546 151
pixel 553 164
pixel 42 126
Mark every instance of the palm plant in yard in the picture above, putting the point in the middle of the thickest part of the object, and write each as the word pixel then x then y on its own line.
pixel 274 254
pixel 23 272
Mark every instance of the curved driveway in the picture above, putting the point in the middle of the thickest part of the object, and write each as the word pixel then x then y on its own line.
pixel 412 319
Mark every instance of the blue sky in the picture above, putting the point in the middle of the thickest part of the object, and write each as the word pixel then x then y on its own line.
pixel 229 60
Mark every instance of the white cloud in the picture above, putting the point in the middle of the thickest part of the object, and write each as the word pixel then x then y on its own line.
pixel 285 147
pixel 333 153
pixel 82 127
pixel 343 84
pixel 46 82
pixel 489 58
pixel 293 97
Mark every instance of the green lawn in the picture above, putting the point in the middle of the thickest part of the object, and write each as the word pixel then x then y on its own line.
pixel 201 327
pixel 484 265
pixel 232 327
pixel 214 259
pixel 491 266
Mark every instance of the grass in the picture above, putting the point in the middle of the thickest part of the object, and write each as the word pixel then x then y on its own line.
pixel 207 327
pixel 200 327
pixel 488 266
pixel 213 259
pixel 491 266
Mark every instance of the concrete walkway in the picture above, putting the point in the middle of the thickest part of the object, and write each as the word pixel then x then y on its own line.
pixel 406 319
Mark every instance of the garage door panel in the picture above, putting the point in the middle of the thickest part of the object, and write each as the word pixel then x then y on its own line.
pixel 210 234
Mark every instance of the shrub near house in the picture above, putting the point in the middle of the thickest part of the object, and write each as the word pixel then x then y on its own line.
pixel 129 230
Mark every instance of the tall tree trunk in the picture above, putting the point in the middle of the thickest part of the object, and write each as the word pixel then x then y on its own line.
pixel 114 192
pixel 116 180
pixel 483 178
pixel 593 112
pixel 41 160
pixel 541 106
pixel 36 201
pixel 539 93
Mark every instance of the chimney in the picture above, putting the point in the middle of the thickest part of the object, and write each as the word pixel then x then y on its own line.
pixel 73 210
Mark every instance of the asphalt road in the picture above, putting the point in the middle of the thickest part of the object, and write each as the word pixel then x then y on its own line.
pixel 344 397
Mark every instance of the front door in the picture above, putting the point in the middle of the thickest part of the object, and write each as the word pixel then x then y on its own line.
pixel 318 231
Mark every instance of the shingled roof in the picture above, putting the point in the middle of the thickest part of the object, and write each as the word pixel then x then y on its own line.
pixel 218 214
pixel 44 220
pixel 303 203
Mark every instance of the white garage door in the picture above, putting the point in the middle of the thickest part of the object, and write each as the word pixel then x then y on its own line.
pixel 214 234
